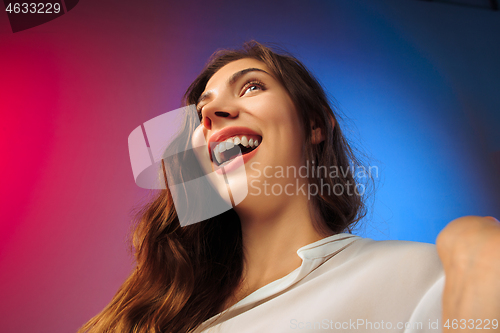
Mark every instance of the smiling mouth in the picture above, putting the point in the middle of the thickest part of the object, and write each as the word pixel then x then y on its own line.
pixel 224 152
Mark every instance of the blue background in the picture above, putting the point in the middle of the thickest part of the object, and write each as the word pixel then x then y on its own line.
pixel 417 82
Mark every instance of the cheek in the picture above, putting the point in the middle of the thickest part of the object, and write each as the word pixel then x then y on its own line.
pixel 295 137
pixel 198 138
pixel 200 147
pixel 292 129
pixel 283 118
pixel 289 150
pixel 284 130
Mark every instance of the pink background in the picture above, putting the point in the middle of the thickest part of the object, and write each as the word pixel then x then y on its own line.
pixel 419 80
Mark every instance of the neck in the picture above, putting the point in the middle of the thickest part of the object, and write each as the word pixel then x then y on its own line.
pixel 271 240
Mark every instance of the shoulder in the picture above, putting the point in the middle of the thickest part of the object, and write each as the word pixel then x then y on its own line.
pixel 394 250
pixel 400 258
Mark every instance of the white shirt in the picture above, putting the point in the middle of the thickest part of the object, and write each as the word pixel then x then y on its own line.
pixel 346 284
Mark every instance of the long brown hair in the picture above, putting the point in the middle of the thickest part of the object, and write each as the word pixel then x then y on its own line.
pixel 184 275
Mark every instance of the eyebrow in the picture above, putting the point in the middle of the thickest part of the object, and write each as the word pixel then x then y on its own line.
pixel 232 80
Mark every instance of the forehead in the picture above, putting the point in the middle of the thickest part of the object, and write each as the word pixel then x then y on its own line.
pixel 223 74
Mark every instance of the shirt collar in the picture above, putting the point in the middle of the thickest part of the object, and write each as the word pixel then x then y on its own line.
pixel 313 255
pixel 325 247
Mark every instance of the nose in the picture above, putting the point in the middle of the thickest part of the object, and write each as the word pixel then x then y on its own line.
pixel 217 112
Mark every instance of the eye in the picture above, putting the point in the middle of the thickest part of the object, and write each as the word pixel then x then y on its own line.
pixel 251 86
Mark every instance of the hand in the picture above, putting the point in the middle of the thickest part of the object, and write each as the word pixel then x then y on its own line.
pixel 469 248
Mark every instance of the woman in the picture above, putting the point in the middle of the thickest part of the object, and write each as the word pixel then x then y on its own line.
pixel 279 260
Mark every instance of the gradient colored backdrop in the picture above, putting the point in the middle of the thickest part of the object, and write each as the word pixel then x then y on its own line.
pixel 417 81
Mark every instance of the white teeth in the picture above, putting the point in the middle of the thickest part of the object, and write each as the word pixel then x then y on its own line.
pixel 230 143
pixel 222 146
pixel 216 153
pixel 217 156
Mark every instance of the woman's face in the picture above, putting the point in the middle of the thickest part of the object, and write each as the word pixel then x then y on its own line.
pixel 245 108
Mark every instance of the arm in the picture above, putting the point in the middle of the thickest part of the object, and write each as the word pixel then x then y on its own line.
pixel 469 248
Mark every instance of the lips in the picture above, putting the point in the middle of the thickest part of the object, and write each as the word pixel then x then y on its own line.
pixel 227 143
